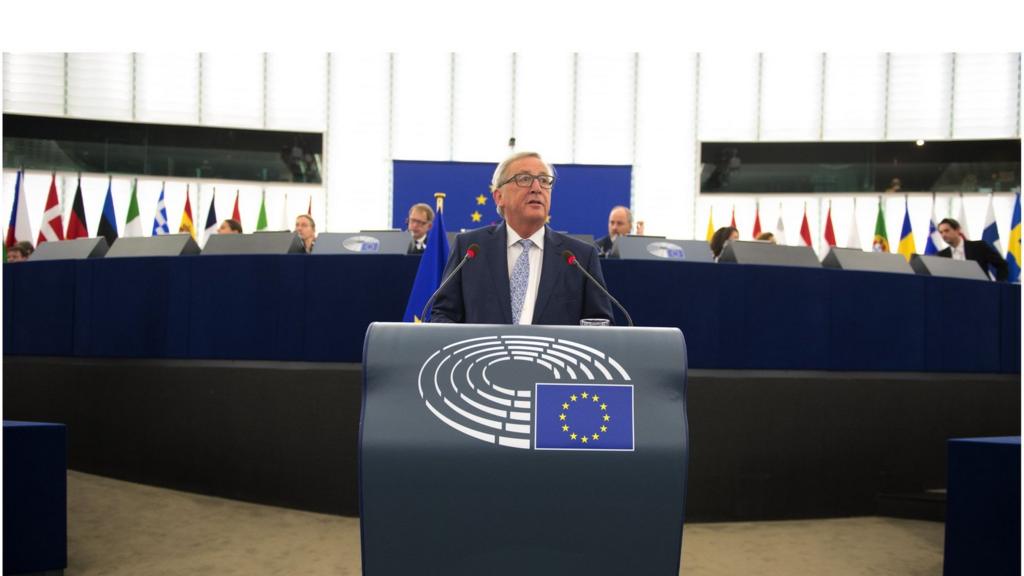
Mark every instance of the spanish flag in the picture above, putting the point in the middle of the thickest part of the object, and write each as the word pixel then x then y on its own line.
pixel 881 241
pixel 1013 251
pixel 186 217
pixel 906 247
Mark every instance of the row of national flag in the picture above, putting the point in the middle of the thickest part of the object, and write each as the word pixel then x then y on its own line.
pixel 52 226
pixel 906 245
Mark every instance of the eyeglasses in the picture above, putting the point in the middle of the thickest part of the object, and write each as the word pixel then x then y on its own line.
pixel 417 221
pixel 526 180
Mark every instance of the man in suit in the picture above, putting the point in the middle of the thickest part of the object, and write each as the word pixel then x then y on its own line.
pixel 620 223
pixel 419 221
pixel 305 227
pixel 962 249
pixel 519 275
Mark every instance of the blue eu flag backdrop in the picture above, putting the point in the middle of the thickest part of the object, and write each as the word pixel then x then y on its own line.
pixel 582 197
pixel 583 417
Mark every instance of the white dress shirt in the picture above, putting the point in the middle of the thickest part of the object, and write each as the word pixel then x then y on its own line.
pixel 536 257
pixel 958 251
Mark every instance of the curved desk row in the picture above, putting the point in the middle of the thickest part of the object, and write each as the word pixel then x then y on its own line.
pixel 317 308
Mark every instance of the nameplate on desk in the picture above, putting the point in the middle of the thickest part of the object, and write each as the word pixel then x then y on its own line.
pixel 368 242
pixel 659 248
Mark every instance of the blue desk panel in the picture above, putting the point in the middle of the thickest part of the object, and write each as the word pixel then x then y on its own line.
pixel 983 507
pixel 35 497
pixel 316 308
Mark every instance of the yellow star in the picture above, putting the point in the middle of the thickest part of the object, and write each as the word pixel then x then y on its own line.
pixel 565 428
pixel 561 417
pixel 584 395
pixel 476 216
pixel 595 436
pixel 548 221
pixel 607 418
pixel 572 436
pixel 595 397
pixel 416 319
pixel 604 428
pixel 481 200
pixel 604 406
pixel 573 397
pixel 565 405
pixel 584 439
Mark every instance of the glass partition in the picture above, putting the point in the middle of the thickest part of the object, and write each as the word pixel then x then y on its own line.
pixel 71 145
pixel 819 167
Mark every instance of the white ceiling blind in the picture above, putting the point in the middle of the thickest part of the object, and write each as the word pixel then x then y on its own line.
pixel 920 95
pixel 297 91
pixel 854 97
pixel 604 109
pixel 100 86
pixel 422 106
pixel 167 88
pixel 232 89
pixel 791 97
pixel 986 95
pixel 34 84
pixel 483 106
pixel 728 97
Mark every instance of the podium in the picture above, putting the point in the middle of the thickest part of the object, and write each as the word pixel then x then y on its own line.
pixel 494 449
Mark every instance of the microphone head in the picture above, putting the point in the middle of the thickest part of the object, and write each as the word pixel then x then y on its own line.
pixel 472 251
pixel 569 257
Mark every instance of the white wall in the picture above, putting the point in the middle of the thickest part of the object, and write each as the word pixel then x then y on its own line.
pixel 649 110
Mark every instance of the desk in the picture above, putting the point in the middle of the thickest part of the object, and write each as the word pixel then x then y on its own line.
pixel 317 308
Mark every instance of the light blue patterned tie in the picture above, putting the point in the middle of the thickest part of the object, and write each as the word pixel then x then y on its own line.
pixel 520 279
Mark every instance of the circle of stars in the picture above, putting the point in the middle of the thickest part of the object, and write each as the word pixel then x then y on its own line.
pixel 563 418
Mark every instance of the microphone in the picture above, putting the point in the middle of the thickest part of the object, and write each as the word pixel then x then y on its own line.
pixel 471 252
pixel 571 260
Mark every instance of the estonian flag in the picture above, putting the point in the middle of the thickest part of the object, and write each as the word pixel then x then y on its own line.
pixel 431 271
pixel 108 219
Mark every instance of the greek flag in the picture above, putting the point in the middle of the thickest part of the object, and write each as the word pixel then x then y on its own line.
pixel 160 226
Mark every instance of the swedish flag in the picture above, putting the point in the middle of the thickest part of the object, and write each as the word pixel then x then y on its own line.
pixel 906 247
pixel 1013 250
pixel 431 270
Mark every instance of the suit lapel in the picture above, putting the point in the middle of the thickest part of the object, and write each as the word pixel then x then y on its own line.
pixel 497 261
pixel 548 275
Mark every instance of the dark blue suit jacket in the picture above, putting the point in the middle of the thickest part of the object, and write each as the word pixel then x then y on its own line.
pixel 479 294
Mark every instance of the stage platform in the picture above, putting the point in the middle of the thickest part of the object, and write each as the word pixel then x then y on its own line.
pixel 764 444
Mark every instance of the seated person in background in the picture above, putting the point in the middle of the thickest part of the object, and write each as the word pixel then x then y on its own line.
pixel 766 237
pixel 961 248
pixel 419 221
pixel 719 239
pixel 305 227
pixel 20 252
pixel 521 275
pixel 620 223
pixel 230 226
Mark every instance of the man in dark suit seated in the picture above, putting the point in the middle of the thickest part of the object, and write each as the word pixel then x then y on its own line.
pixel 961 248
pixel 519 275
pixel 419 221
pixel 620 223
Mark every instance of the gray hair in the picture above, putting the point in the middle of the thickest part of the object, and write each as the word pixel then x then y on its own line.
pixel 500 176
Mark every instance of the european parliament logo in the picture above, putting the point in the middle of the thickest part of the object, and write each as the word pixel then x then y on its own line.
pixel 530 392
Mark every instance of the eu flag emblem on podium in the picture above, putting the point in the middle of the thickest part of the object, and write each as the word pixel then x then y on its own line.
pixel 583 417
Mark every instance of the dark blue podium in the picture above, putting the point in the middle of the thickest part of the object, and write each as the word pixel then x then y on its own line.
pixel 522 450
pixel 35 497
pixel 983 507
